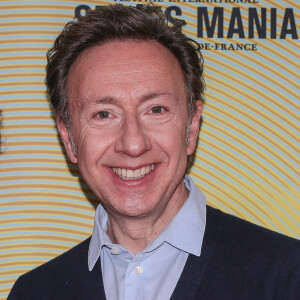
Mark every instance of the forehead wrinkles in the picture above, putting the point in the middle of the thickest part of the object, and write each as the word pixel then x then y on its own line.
pixel 133 69
pixel 127 58
pixel 125 63
pixel 135 76
pixel 115 73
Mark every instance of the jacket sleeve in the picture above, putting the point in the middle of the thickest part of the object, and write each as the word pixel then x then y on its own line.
pixel 16 291
pixel 288 283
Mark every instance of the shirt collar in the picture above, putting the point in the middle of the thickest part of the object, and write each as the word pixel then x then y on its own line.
pixel 184 232
pixel 99 236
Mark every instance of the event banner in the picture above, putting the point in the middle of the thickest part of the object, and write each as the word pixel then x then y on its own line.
pixel 247 157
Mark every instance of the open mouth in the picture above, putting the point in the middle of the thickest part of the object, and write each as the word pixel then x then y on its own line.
pixel 127 174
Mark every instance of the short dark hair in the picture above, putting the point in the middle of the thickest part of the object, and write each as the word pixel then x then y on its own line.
pixel 119 22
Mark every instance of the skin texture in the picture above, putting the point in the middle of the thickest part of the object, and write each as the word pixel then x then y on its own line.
pixel 128 108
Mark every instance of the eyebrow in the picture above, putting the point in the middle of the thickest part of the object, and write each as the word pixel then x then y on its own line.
pixel 104 100
pixel 151 96
pixel 112 100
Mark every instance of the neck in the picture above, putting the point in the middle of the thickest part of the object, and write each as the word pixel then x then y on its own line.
pixel 136 233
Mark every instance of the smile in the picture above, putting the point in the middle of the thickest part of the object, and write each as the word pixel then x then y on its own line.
pixel 127 174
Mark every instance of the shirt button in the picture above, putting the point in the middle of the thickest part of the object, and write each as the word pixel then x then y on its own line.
pixel 138 270
pixel 115 250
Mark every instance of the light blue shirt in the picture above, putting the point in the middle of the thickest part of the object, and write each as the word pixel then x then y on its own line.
pixel 151 274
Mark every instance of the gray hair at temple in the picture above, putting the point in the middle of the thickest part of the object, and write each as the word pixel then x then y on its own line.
pixel 119 22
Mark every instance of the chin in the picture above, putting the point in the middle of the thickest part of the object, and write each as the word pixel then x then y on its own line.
pixel 134 209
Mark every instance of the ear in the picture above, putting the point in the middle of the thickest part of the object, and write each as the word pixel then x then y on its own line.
pixel 64 133
pixel 194 128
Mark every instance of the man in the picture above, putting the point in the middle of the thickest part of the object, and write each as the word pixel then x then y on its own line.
pixel 126 89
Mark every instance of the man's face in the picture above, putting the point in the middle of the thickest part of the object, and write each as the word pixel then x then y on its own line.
pixel 128 108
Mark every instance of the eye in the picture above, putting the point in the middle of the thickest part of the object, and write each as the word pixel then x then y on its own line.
pixel 157 109
pixel 103 114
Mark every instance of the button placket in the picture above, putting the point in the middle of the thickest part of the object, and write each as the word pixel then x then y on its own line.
pixel 138 270
pixel 134 280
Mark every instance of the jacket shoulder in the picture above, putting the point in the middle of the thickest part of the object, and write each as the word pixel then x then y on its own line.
pixel 244 233
pixel 54 275
pixel 258 263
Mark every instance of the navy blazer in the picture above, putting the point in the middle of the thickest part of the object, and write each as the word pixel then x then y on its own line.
pixel 238 260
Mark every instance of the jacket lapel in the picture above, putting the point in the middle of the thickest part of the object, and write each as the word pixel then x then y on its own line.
pixel 87 284
pixel 195 266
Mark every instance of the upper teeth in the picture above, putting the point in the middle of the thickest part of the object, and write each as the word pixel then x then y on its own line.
pixel 127 174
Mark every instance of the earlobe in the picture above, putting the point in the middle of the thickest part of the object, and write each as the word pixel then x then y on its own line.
pixel 194 128
pixel 65 136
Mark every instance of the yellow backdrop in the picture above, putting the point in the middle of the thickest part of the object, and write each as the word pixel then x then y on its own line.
pixel 247 159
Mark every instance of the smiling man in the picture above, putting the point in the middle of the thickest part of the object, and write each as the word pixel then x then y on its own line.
pixel 129 124
pixel 126 89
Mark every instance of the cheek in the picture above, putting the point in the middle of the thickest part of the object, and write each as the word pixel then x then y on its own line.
pixel 92 144
pixel 171 139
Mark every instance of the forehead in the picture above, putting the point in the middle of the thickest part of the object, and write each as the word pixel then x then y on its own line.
pixel 131 65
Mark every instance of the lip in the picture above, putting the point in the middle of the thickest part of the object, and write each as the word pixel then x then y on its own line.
pixel 130 167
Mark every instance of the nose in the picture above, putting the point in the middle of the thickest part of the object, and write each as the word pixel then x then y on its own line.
pixel 132 141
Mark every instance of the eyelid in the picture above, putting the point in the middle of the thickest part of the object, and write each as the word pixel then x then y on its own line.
pixel 163 108
pixel 97 114
pixel 157 107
